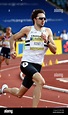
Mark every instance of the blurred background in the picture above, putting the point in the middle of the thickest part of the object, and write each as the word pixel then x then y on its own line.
pixel 17 14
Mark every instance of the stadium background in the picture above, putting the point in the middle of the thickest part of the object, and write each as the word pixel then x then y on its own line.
pixel 17 14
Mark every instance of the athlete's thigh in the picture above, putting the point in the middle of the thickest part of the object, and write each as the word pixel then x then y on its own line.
pixel 29 69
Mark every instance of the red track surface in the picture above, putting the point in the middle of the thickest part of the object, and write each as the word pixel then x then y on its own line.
pixel 49 99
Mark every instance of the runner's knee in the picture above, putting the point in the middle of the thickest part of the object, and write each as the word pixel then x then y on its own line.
pixel 38 79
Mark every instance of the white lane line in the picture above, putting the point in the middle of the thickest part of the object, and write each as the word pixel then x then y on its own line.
pixel 3 106
pixel 54 69
pixel 10 68
pixel 41 70
pixel 42 100
pixel 56 88
pixel 63 61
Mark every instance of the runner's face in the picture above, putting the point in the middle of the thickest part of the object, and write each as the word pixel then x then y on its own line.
pixel 8 30
pixel 40 20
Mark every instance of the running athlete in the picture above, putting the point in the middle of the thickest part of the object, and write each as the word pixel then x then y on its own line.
pixel 0 45
pixel 5 51
pixel 38 40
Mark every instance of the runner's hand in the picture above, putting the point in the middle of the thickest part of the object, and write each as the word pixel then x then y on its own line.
pixel 13 54
pixel 44 37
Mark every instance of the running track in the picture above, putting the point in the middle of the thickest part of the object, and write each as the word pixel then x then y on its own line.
pixel 50 98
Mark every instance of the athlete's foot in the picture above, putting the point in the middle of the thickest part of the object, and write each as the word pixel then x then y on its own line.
pixel 3 87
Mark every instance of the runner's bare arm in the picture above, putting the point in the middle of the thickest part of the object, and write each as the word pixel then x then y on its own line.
pixel 1 37
pixel 49 40
pixel 51 43
pixel 21 33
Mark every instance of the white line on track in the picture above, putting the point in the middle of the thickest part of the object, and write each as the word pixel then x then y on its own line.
pixel 10 68
pixel 41 70
pixel 42 100
pixel 3 106
pixel 54 69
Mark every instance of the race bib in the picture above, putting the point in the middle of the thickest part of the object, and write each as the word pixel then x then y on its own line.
pixel 6 42
pixel 36 43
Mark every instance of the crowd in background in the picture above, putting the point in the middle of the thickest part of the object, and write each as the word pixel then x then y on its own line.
pixel 63 4
pixel 63 35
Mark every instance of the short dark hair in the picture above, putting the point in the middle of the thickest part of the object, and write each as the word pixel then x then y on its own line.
pixel 35 13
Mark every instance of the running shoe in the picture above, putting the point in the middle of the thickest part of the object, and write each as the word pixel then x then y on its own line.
pixel 3 87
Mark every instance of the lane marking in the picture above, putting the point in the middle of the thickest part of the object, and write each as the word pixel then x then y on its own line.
pixel 63 61
pixel 44 100
pixel 3 106
pixel 54 69
pixel 65 80
pixel 56 88
pixel 41 70
pixel 49 101
pixel 10 68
